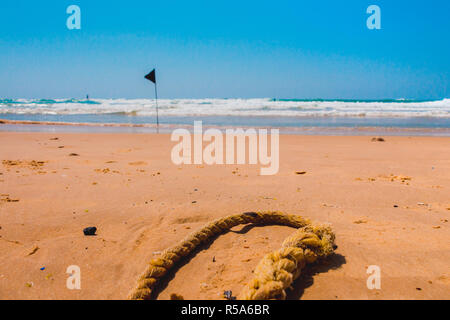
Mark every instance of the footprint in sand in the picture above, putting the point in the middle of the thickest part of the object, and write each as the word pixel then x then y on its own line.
pixel 444 279
pixel 124 150
pixel 33 250
pixel 33 164
pixel 192 219
pixel 6 198
pixel 138 163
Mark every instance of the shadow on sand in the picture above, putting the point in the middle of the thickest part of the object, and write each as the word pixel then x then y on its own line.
pixel 304 281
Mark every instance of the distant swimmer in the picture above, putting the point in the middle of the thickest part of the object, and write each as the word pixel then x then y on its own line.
pixel 87 97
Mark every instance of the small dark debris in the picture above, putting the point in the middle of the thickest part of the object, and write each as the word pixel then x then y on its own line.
pixel 378 139
pixel 175 296
pixel 228 294
pixel 56 138
pixel 395 206
pixel 60 147
pixel 89 231
pixel 419 289
pixel 214 259
pixel 194 201
pixel 74 155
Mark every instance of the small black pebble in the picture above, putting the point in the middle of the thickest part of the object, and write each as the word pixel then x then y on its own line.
pixel 89 231
pixel 228 294
pixel 395 206
pixel 194 201
pixel 419 289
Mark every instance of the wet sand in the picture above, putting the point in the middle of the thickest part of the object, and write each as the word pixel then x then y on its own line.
pixel 387 202
pixel 300 127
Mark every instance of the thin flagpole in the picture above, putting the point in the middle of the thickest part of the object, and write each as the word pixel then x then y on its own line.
pixel 157 116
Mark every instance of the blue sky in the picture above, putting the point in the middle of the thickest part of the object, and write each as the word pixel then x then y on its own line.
pixel 224 49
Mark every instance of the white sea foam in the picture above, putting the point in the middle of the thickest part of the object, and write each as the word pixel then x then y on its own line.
pixel 230 107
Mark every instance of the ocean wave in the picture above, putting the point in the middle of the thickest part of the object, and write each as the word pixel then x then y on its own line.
pixel 231 107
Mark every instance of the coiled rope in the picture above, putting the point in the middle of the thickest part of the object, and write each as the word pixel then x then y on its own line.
pixel 275 272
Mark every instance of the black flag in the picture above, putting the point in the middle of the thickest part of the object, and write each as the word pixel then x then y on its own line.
pixel 151 76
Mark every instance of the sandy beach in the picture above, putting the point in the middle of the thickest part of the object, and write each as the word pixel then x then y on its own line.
pixel 388 203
